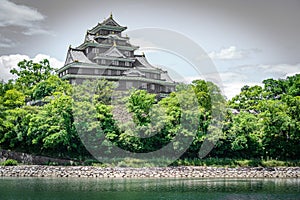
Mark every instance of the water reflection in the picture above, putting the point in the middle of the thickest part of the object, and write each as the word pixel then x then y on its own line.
pixel 72 188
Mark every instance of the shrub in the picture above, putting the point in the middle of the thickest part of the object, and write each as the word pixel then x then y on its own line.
pixel 9 162
pixel 90 162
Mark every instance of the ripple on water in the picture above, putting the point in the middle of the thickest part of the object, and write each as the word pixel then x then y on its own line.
pixel 74 188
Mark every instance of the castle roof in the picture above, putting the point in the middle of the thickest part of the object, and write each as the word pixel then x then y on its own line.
pixel 108 24
pixel 75 55
pixel 105 53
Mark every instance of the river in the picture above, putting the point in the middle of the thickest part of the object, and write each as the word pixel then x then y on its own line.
pixel 148 189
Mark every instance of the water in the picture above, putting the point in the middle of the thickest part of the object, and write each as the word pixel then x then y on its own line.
pixel 72 188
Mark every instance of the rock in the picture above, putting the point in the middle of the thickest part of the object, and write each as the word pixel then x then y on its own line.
pixel 163 172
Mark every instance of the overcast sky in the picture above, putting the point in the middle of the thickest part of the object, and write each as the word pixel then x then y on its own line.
pixel 248 41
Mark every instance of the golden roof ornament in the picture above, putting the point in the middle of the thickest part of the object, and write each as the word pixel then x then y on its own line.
pixel 111 15
pixel 115 44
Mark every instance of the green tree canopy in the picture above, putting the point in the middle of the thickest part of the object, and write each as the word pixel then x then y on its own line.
pixel 30 73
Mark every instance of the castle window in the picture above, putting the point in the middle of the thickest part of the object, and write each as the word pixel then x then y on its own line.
pixel 152 87
pixel 95 50
pixel 109 72
pixel 127 64
pixel 127 53
pixel 118 72
pixel 103 62
pixel 115 62
pixel 73 82
pixel 87 50
pixel 129 85
pixel 144 86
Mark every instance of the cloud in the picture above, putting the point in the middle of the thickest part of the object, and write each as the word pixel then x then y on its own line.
pixel 12 14
pixel 18 15
pixel 53 61
pixel 5 42
pixel 231 53
pixel 37 31
pixel 235 78
pixel 266 70
pixel 231 89
pixel 254 75
pixel 9 62
pixel 291 74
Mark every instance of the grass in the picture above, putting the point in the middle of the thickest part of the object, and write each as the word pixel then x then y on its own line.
pixel 227 162
pixel 133 162
pixel 213 162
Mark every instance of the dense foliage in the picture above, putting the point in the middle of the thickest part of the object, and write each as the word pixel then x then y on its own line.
pixel 42 114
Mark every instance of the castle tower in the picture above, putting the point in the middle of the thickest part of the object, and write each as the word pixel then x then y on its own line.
pixel 106 53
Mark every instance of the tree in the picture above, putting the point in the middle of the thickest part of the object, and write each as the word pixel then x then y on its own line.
pixel 5 86
pixel 29 74
pixel 276 126
pixel 201 90
pixel 293 83
pixel 247 99
pixel 245 136
pixel 274 88
pixel 16 123
pixel 49 86
pixel 92 114
pixel 52 131
pixel 2 121
pixel 13 99
pixel 139 103
pixel 96 91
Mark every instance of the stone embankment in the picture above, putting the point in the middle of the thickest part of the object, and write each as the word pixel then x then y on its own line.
pixel 151 172
pixel 25 158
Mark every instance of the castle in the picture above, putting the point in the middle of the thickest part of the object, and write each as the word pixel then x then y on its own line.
pixel 107 54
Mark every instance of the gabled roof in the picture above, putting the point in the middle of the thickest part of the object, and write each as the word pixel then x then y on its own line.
pixel 141 62
pixel 134 73
pixel 108 24
pixel 75 55
pixel 113 52
pixel 165 76
pixel 110 21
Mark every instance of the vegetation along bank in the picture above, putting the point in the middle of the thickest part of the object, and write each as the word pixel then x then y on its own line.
pixel 38 109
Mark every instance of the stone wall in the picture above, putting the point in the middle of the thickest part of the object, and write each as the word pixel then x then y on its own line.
pixel 31 159
pixel 160 172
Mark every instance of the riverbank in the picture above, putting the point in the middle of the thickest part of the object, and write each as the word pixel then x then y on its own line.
pixel 151 172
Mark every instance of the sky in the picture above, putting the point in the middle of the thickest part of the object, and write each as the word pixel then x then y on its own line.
pixel 247 41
